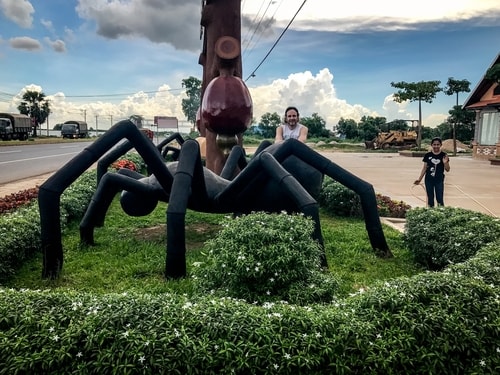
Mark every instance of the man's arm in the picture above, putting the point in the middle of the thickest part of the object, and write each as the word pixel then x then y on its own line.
pixel 303 134
pixel 279 134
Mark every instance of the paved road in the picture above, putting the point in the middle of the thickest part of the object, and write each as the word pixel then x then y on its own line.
pixel 20 162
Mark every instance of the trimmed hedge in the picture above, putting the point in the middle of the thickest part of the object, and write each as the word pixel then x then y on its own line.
pixel 20 229
pixel 434 323
pixel 441 236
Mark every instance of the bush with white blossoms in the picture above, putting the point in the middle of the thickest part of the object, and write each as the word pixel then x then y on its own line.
pixel 265 257
pixel 442 236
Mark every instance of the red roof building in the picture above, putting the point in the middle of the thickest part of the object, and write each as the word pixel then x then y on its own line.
pixel 485 101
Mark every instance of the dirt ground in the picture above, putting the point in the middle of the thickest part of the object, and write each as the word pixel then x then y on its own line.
pixel 448 146
pixel 19 185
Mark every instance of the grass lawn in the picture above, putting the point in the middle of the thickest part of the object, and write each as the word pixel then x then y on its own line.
pixel 130 255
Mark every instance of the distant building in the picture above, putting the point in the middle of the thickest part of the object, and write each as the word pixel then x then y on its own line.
pixel 485 101
pixel 166 122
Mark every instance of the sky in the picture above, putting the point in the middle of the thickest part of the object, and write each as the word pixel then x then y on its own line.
pixel 105 60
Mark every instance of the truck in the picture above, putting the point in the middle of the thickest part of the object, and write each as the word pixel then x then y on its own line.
pixel 15 126
pixel 74 129
pixel 393 139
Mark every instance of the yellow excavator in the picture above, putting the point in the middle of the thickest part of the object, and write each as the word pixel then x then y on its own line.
pixel 393 139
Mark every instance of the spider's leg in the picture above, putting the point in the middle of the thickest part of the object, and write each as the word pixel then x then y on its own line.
pixel 362 188
pixel 170 149
pixel 234 163
pixel 111 183
pixel 188 179
pixel 262 146
pixel 111 156
pixel 173 137
pixel 237 160
pixel 50 191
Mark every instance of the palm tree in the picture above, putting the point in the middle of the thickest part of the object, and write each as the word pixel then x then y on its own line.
pixel 36 106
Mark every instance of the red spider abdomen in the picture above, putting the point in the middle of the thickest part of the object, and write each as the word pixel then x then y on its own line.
pixel 227 105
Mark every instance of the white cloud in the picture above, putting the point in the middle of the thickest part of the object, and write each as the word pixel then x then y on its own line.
pixel 26 43
pixel 18 11
pixel 310 93
pixel 374 15
pixel 57 45
pixel 158 21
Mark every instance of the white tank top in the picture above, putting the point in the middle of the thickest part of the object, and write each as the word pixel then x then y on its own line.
pixel 289 133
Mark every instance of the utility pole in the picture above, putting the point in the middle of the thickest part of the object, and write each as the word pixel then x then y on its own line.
pixel 96 132
pixel 84 115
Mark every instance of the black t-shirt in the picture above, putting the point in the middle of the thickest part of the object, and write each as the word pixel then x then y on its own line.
pixel 435 165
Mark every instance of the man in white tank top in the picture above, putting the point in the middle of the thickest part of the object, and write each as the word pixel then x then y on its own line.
pixel 291 128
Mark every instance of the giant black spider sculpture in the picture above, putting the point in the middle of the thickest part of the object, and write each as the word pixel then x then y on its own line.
pixel 279 177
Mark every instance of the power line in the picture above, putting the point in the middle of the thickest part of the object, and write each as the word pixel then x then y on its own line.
pixel 276 42
pixel 256 28
pixel 264 28
pixel 4 95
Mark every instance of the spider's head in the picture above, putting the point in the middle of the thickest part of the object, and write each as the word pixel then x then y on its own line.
pixel 137 205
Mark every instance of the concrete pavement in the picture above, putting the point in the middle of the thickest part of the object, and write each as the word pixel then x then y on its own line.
pixel 471 184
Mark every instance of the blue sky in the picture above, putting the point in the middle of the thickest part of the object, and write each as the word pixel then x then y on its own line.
pixel 108 60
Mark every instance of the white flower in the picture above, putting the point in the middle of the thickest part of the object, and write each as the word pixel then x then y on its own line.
pixel 51 329
pixel 79 354
pixel 55 338
pixel 482 363
pixel 125 334
pixel 276 366
pixel 142 359
pixel 287 356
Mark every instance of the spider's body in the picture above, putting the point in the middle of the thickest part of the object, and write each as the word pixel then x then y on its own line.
pixel 280 177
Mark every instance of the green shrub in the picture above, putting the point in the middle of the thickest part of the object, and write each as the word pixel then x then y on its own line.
pixel 446 235
pixel 265 257
pixel 20 230
pixel 20 234
pixel 339 200
pixel 75 199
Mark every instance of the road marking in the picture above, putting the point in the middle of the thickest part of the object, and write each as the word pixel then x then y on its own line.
pixel 9 152
pixel 40 157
